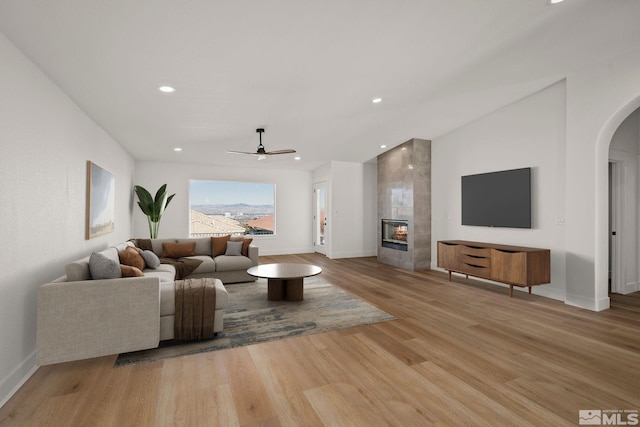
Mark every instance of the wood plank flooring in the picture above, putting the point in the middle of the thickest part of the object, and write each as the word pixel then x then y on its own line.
pixel 460 353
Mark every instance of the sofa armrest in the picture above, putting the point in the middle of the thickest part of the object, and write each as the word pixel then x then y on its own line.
pixel 91 318
pixel 253 254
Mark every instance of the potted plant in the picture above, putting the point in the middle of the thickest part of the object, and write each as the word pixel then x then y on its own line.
pixel 153 207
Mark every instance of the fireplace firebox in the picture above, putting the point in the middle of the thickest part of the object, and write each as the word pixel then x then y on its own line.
pixel 394 234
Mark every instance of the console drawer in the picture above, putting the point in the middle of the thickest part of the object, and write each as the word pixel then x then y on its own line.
pixel 476 261
pixel 477 252
pixel 475 270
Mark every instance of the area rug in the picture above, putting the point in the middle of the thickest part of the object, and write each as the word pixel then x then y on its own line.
pixel 251 318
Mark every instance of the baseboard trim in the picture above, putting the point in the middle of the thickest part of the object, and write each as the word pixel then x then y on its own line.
pixel 12 383
pixel 548 291
pixel 629 288
pixel 588 303
pixel 359 254
pixel 289 251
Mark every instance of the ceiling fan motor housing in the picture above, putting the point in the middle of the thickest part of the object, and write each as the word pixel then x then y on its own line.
pixel 261 149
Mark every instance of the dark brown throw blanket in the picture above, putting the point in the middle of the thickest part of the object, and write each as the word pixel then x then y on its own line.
pixel 195 309
pixel 183 266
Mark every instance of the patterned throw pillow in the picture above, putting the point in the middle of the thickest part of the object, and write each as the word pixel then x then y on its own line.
pixel 151 259
pixel 102 267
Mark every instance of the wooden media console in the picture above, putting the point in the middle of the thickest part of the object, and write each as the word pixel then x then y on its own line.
pixel 512 265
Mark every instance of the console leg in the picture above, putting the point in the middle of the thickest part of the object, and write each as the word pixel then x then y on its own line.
pixel 510 291
pixel 529 290
pixel 449 275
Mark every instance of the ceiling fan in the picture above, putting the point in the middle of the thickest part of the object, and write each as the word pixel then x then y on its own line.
pixel 261 153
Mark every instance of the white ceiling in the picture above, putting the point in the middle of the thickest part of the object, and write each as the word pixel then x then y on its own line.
pixel 306 71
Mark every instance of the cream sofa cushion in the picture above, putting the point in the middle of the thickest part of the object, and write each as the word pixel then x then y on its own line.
pixel 208 265
pixel 230 262
pixel 203 245
pixel 165 272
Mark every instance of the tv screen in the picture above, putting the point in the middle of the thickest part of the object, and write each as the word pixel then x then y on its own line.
pixel 497 199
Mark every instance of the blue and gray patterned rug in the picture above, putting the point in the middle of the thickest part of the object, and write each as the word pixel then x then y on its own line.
pixel 251 318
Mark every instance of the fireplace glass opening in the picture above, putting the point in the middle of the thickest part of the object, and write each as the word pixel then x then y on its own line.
pixel 394 234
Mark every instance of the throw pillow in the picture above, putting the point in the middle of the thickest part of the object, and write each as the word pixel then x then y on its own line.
pixel 178 250
pixel 130 271
pixel 130 256
pixel 245 245
pixel 150 258
pixel 102 267
pixel 219 245
pixel 234 248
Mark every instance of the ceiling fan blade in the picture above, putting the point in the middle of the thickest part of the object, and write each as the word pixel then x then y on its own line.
pixel 288 151
pixel 240 152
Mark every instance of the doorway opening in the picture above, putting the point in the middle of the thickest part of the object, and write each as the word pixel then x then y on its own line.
pixel 320 217
pixel 614 209
pixel 623 229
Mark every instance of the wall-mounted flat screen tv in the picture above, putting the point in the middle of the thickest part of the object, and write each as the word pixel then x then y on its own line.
pixel 497 199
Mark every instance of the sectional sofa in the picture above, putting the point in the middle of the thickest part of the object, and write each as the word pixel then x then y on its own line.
pixel 91 311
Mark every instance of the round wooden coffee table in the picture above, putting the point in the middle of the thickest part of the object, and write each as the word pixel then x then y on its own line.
pixel 285 280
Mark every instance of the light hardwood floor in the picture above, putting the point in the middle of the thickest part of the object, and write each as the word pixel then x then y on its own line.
pixel 460 353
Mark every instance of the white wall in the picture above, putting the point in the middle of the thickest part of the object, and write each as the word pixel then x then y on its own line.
pixel 528 133
pixel 294 199
pixel 599 98
pixel 352 208
pixel 45 142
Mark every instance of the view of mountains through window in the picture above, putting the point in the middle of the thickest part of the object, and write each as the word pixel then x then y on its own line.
pixel 224 207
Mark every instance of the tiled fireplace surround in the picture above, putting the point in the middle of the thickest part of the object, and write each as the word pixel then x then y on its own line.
pixel 404 193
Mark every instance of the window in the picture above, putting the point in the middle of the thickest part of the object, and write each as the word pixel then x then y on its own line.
pixel 217 208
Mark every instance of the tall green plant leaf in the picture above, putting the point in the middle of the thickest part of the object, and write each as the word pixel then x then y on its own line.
pixel 153 207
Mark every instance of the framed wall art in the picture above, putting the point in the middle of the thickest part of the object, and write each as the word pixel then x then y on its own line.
pixel 101 195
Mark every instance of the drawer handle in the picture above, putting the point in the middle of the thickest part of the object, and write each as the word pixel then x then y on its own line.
pixel 475 266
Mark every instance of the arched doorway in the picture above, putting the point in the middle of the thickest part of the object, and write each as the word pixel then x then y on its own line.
pixel 602 196
pixel 623 205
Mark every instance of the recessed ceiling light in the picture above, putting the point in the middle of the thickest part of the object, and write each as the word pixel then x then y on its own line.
pixel 555 1
pixel 166 89
pixel 297 158
pixel 383 146
pixel 376 100
pixel 177 149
